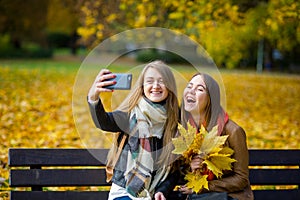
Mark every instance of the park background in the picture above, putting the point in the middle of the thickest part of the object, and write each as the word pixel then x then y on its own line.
pixel 255 45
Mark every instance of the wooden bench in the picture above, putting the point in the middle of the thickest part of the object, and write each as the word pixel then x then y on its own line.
pixel 38 169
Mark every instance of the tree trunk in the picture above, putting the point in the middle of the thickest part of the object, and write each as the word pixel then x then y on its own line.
pixel 16 42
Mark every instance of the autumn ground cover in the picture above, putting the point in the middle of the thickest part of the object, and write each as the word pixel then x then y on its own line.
pixel 36 107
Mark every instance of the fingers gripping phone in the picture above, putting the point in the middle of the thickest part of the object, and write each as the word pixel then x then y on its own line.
pixel 123 82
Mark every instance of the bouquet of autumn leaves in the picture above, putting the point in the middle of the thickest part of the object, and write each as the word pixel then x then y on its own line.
pixel 210 147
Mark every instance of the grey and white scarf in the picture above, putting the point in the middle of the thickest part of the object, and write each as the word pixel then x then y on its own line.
pixel 147 120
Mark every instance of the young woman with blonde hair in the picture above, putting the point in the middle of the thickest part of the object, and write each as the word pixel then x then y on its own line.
pixel 148 117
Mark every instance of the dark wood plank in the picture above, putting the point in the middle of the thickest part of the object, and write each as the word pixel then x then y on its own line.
pixel 258 195
pixel 270 157
pixel 276 194
pixel 99 195
pixel 58 177
pixel 57 157
pixel 274 176
pixel 94 157
pixel 47 195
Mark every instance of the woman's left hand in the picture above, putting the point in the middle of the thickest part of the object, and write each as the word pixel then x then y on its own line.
pixel 185 190
pixel 159 196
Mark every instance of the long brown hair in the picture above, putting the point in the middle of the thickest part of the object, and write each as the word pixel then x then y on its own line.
pixel 172 106
pixel 213 110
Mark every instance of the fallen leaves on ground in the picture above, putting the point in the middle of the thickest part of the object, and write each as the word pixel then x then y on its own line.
pixel 36 109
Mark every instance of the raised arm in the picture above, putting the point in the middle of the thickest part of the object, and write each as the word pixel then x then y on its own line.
pixel 108 121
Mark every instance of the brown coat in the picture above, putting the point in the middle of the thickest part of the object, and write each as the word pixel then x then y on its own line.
pixel 235 183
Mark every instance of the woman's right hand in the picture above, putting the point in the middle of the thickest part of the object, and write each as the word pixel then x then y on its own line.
pixel 100 82
pixel 196 162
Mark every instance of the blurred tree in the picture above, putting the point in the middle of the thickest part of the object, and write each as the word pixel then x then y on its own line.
pixel 34 21
pixel 24 20
pixel 101 19
pixel 226 29
pixel 62 23
pixel 197 18
pixel 62 16
pixel 277 24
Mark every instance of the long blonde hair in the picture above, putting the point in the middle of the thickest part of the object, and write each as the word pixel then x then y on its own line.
pixel 172 107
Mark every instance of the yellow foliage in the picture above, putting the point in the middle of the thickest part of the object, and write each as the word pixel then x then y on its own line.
pixel 267 109
pixel 176 15
pixel 218 162
pixel 35 110
pixel 210 147
pixel 184 140
pixel 206 21
pixel 36 107
pixel 196 181
pixel 111 18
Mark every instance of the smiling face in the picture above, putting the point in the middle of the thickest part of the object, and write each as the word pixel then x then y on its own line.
pixel 195 96
pixel 154 86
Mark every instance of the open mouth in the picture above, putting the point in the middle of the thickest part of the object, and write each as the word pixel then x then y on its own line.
pixel 156 92
pixel 190 100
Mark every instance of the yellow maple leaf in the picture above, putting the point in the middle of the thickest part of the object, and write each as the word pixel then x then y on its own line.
pixel 196 181
pixel 219 162
pixel 183 142
pixel 212 142
pixel 226 150
pixel 179 145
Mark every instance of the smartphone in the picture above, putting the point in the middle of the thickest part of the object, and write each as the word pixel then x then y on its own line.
pixel 123 82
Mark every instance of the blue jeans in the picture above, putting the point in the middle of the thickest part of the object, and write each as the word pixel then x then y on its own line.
pixel 210 196
pixel 122 198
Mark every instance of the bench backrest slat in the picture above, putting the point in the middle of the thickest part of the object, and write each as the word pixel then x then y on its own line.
pixel 274 157
pixel 58 177
pixel 94 177
pixel 57 157
pixel 274 176
pixel 96 157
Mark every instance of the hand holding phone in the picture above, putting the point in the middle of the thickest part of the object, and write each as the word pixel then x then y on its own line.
pixel 123 82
